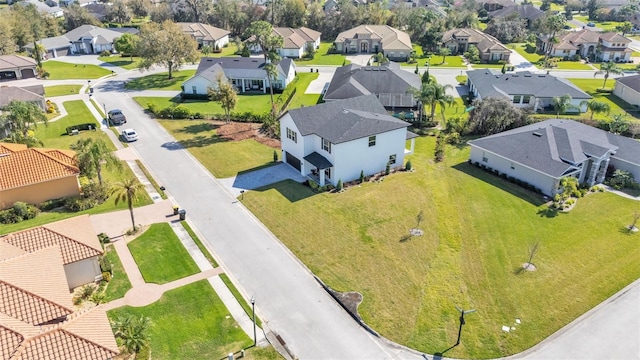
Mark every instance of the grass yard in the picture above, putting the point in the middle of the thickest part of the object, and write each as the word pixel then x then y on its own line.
pixel 322 58
pixel 477 230
pixel 160 81
pixel 160 255
pixel 258 104
pixel 54 135
pixel 529 53
pixel 300 98
pixel 605 25
pixel 199 136
pixel 618 106
pixel 119 284
pixel 191 322
pixel 60 70
pixel 61 90
pixel 124 62
pixel 450 61
pixel 230 50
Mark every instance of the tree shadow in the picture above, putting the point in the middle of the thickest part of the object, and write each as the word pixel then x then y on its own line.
pixel 548 212
pixel 440 354
pixel 405 238
pixel 198 128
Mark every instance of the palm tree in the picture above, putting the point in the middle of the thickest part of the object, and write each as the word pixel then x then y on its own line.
pixel 128 190
pixel 92 154
pixel 133 332
pixel 562 103
pixel 607 69
pixel 554 24
pixel 437 95
pixel 596 107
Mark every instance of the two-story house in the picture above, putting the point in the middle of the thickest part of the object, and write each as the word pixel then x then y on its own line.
pixel 458 41
pixel 373 39
pixel 596 46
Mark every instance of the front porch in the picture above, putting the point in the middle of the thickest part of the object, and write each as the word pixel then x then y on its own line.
pixel 319 168
pixel 250 85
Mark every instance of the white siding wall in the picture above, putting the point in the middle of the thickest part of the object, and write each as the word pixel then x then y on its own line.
pixel 291 53
pixel 290 76
pixel 541 181
pixel 200 83
pixel 296 149
pixel 223 41
pixel 623 165
pixel 627 94
pixel 82 272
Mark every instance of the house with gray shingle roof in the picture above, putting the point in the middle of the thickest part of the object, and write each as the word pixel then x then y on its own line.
pixel 524 89
pixel 627 88
pixel 541 154
pixel 85 39
pixel 490 49
pixel 245 74
pixel 388 82
pixel 340 139
pixel 14 67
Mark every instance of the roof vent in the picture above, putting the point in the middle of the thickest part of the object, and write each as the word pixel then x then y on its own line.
pixel 254 60
pixel 236 60
pixel 537 134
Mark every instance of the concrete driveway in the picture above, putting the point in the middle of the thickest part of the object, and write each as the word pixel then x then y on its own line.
pixel 259 178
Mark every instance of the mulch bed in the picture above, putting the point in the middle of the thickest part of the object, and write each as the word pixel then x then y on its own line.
pixel 234 131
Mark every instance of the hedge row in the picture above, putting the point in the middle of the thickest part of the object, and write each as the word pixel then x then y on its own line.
pixel 181 112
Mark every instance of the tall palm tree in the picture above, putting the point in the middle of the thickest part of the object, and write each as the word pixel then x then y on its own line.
pixel 92 155
pixel 607 69
pixel 561 103
pixel 127 190
pixel 133 332
pixel 596 107
pixel 437 95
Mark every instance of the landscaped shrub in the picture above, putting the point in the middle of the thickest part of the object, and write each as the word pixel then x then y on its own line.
pixel 93 194
pixel 361 176
pixel 81 127
pixel 105 265
pixel 51 204
pixel 104 238
pixel 105 53
pixel 408 166
pixel 339 187
pixel 20 211
pixel 621 179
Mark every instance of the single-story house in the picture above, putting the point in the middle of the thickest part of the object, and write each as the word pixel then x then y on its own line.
pixel 37 316
pixel 14 67
pixel 34 94
pixel 597 46
pixel 388 82
pixel 526 12
pixel 206 35
pixel 34 175
pixel 44 7
pixel 337 140
pixel 85 39
pixel 493 5
pixel 490 49
pixel 78 244
pixel 627 88
pixel 372 39
pixel 98 10
pixel 541 154
pixel 525 89
pixel 295 41
pixel 246 74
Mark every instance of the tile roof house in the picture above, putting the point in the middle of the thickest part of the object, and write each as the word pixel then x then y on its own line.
pixel 524 89
pixel 14 67
pixel 596 46
pixel 205 34
pixel 34 94
pixel 541 154
pixel 627 88
pixel 527 12
pixel 34 175
pixel 491 50
pixel 37 318
pixel 295 40
pixel 388 82
pixel 372 39
pixel 77 242
pixel 246 74
pixel 85 39
pixel 339 139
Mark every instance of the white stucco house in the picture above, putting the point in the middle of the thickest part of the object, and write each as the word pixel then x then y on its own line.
pixel 85 39
pixel 597 46
pixel 206 35
pixel 525 89
pixel 246 74
pixel 295 41
pixel 339 139
pixel 541 154
pixel 627 88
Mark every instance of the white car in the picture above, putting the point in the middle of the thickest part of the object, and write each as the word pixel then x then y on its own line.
pixel 129 135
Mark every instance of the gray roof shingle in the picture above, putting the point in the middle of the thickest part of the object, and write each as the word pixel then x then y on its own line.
pixel 631 81
pixel 239 67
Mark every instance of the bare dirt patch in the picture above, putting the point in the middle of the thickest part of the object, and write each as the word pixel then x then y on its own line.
pixel 235 131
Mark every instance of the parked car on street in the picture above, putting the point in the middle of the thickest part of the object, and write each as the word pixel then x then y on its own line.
pixel 129 135
pixel 116 117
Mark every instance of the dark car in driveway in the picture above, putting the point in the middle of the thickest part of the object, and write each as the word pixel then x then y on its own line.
pixel 116 117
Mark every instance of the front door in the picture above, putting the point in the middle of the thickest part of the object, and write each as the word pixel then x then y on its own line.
pixel 364 47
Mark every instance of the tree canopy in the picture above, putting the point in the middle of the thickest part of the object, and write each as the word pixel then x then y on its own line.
pixel 165 44
pixel 493 115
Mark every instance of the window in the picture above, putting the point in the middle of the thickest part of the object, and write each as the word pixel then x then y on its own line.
pixel 372 140
pixel 516 99
pixel 392 159
pixel 327 173
pixel 484 157
pixel 326 145
pixel 292 135
pixel 526 99
pixel 194 89
pixel 512 166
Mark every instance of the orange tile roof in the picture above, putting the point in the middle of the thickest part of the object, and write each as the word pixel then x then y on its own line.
pixel 13 332
pixel 25 166
pixel 76 237
pixel 8 251
pixel 28 307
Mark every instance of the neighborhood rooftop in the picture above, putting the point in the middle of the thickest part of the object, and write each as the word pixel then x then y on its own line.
pixel 345 120
pixel 296 38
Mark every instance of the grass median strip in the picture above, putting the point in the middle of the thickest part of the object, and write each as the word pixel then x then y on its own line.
pixel 119 283
pixel 198 242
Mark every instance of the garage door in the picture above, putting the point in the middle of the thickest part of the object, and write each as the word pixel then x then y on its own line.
pixel 293 161
pixel 62 52
pixel 27 73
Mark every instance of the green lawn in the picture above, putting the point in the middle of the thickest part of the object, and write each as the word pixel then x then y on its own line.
pixel 604 25
pixel 160 255
pixel 120 61
pixel 119 284
pixel 225 51
pixel 160 81
pixel 450 61
pixel 535 58
pixel 322 58
pixel 61 90
pixel 618 106
pixel 222 158
pixel 257 104
pixel 300 98
pixel 477 229
pixel 61 70
pixel 54 135
pixel 190 322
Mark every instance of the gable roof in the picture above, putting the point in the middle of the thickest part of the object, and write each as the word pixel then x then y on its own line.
pixel 15 61
pixel 482 41
pixel 354 80
pixel 492 83
pixel 296 38
pixel 10 93
pixel 106 36
pixel 528 12
pixel 553 146
pixel 345 120
pixel 204 31
pixel 632 82
pixel 238 67
pixel 390 38
pixel 585 36
pixel 22 166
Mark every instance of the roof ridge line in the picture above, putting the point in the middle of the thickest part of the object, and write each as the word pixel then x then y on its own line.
pixel 38 296
pixel 67 237
pixel 40 151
